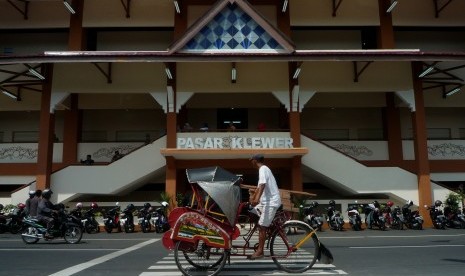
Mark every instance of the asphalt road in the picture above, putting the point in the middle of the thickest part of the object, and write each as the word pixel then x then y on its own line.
pixel 368 252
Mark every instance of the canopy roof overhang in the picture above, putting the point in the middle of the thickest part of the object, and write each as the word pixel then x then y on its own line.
pixel 202 154
pixel 299 55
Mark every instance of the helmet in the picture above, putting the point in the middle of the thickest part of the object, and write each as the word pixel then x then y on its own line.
pixel 32 193
pixel 376 203
pixel 449 201
pixel 332 203
pixel 315 204
pixel 21 205
pixel 147 205
pixel 390 203
pixel 130 206
pixel 79 205
pixel 94 205
pixel 47 193
pixel 164 203
pixel 1 206
pixel 409 202
pixel 437 203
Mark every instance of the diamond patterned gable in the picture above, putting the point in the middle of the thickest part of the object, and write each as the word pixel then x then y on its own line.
pixel 232 30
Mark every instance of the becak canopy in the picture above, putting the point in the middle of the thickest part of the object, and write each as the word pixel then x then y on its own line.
pixel 221 185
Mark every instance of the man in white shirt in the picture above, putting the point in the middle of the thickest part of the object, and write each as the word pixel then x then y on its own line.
pixel 266 200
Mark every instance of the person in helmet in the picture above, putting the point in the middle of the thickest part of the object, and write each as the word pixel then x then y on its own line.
pixel 94 205
pixel 77 212
pixel 438 203
pixel 35 203
pixel 45 211
pixel 32 194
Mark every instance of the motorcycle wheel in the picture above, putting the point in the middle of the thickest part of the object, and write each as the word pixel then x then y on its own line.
pixel 356 227
pixel 119 228
pixel 108 229
pixel 145 227
pixel 15 227
pixel 73 234
pixel 31 231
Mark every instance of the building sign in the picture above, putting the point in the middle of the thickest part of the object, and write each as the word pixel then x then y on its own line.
pixel 234 142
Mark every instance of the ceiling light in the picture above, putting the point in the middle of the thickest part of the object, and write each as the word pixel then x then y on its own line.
pixel 426 71
pixel 176 6
pixel 392 6
pixel 8 93
pixel 233 73
pixel 35 73
pixel 296 73
pixel 168 73
pixel 69 7
pixel 285 5
pixel 453 91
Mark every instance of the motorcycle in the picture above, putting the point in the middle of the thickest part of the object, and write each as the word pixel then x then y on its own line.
pixel 374 218
pixel 144 217
pixel 436 215
pixel 397 219
pixel 355 220
pixel 14 221
pixel 413 220
pixel 159 219
pixel 34 230
pixel 334 219
pixel 90 223
pixel 127 219
pixel 111 219
pixel 311 217
pixel 454 219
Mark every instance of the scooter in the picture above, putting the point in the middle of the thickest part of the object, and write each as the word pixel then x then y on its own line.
pixel 13 222
pixel 90 223
pixel 454 219
pixel 144 218
pixel 311 217
pixel 111 219
pixel 436 215
pixel 34 230
pixel 334 219
pixel 355 220
pixel 159 219
pixel 413 220
pixel 397 219
pixel 374 218
pixel 127 219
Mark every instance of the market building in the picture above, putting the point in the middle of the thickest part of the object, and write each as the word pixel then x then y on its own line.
pixel 356 99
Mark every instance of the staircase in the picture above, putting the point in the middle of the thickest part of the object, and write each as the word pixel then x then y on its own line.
pixel 347 175
pixel 132 169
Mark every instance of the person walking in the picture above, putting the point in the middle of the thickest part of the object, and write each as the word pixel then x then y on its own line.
pixel 266 201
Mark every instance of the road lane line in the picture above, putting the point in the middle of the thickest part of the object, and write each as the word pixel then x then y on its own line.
pixel 58 249
pixel 403 236
pixel 406 246
pixel 80 267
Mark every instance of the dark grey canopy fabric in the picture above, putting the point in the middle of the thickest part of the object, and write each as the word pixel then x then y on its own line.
pixel 222 186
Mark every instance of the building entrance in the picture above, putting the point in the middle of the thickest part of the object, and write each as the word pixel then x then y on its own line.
pixel 238 116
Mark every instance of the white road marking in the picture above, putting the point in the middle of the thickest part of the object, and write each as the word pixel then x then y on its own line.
pixel 406 246
pixel 404 236
pixel 59 249
pixel 80 267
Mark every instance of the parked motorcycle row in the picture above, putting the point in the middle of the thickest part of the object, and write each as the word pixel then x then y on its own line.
pixel 382 217
pixel 148 218
pixel 70 225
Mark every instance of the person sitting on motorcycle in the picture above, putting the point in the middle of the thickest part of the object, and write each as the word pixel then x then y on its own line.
pixel 331 209
pixel 77 212
pixel 45 211
pixel 32 194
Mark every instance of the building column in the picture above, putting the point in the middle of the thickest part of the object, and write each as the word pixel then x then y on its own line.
pixel 420 145
pixel 46 132
pixel 170 186
pixel 71 132
pixel 386 31
pixel 392 130
pixel 294 128
pixel 72 124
